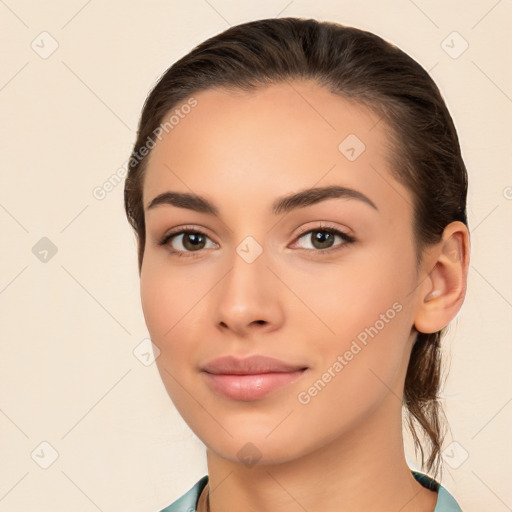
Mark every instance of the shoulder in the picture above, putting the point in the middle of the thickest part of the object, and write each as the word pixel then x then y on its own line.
pixel 445 501
pixel 187 502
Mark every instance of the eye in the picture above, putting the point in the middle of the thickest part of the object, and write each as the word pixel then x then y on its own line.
pixel 192 240
pixel 189 240
pixel 323 238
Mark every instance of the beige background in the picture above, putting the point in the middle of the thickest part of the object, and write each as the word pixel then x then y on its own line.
pixel 75 394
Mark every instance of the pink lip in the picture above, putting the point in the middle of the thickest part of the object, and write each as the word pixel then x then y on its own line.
pixel 251 378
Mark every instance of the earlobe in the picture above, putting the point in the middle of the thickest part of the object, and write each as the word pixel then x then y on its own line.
pixel 441 294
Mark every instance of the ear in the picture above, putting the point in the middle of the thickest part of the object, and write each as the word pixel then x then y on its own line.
pixel 442 289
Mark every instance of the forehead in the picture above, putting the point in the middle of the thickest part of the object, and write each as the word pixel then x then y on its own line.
pixel 272 141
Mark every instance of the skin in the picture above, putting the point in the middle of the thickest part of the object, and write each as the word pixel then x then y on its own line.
pixel 344 449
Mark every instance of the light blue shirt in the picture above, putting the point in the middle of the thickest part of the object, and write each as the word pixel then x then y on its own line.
pixel 445 501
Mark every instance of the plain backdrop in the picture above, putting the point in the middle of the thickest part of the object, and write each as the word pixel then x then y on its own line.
pixel 85 422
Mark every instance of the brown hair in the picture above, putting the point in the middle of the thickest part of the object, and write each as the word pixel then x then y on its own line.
pixel 362 67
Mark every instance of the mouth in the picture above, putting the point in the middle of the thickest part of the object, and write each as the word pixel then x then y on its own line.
pixel 251 378
pixel 251 386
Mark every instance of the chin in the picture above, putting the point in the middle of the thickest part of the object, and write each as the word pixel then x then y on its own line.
pixel 256 452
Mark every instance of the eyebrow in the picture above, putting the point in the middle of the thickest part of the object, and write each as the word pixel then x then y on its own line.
pixel 306 197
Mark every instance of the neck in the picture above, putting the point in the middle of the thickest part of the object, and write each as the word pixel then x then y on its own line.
pixel 364 469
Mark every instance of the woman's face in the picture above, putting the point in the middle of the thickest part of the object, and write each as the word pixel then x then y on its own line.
pixel 279 282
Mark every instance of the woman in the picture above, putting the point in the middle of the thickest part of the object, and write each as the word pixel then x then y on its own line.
pixel 299 199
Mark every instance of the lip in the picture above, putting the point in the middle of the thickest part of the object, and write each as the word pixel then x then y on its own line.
pixel 255 364
pixel 250 378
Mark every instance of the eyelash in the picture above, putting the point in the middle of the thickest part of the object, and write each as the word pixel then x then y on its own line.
pixel 326 228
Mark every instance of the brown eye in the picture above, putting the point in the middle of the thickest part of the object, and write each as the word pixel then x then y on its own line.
pixel 186 241
pixel 323 238
pixel 193 241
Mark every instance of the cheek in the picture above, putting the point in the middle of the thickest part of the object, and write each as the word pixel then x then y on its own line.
pixel 165 311
pixel 172 305
pixel 343 299
pixel 155 303
pixel 366 309
pixel 165 297
pixel 358 370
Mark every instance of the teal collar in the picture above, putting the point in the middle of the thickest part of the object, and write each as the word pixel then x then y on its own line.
pixel 445 501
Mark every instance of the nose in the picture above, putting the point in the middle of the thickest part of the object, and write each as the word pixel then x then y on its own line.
pixel 247 300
